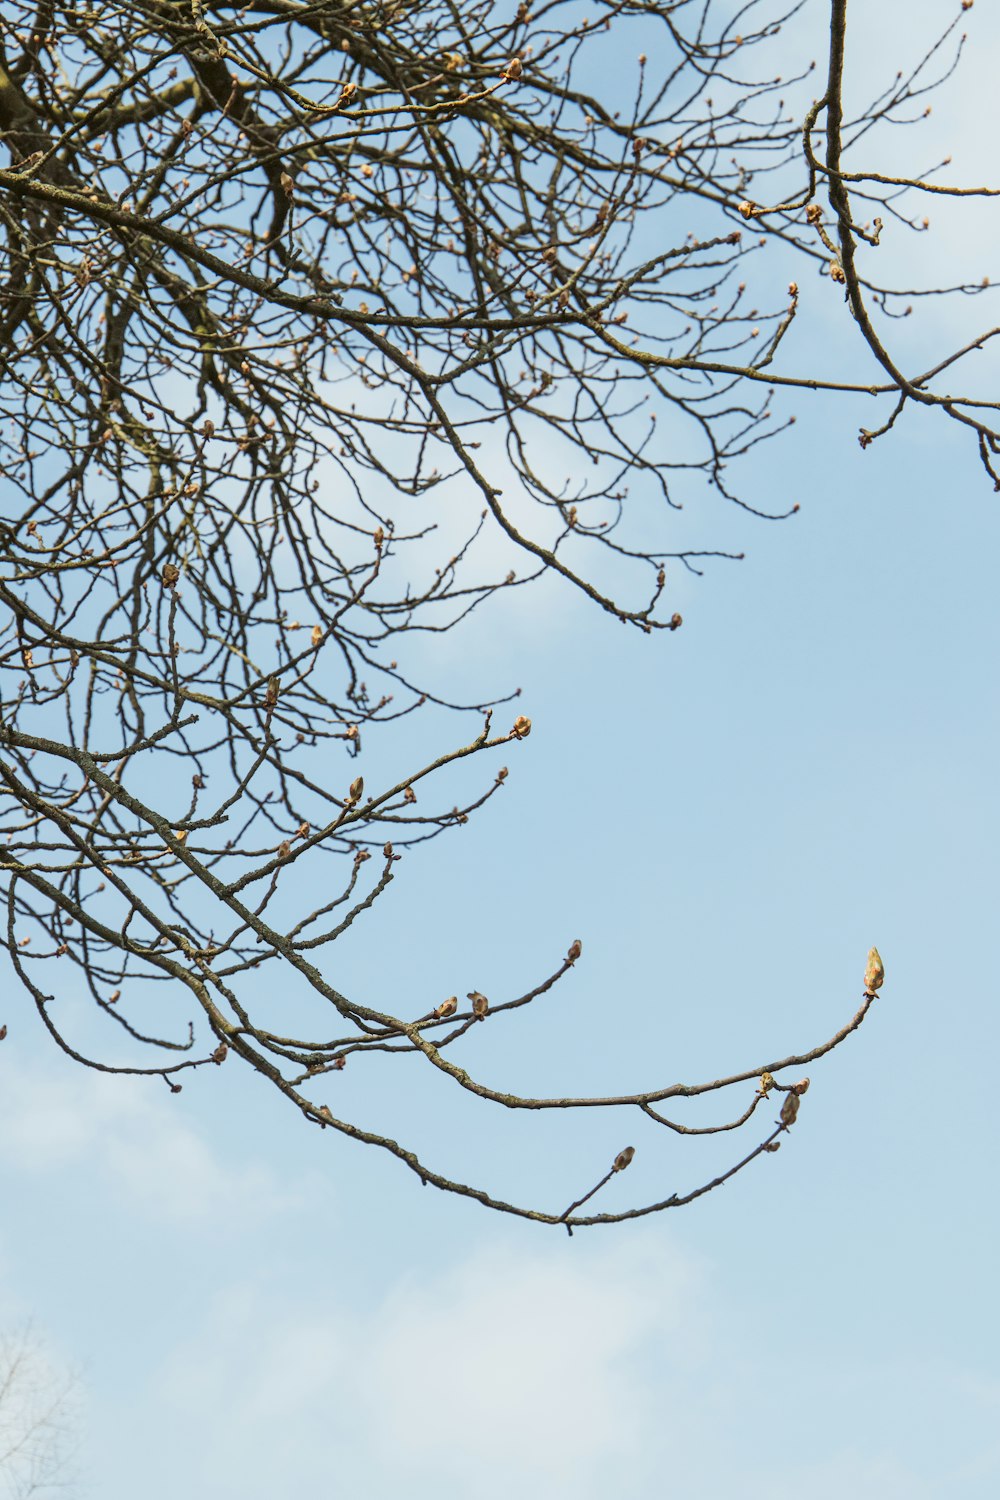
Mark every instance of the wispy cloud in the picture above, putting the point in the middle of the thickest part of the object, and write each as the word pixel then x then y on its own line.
pixel 138 1145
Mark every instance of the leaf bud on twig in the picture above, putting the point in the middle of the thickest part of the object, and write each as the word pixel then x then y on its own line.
pixel 789 1109
pixel 447 1007
pixel 575 949
pixel 874 972
pixel 623 1158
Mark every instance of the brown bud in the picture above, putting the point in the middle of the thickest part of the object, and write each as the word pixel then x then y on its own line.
pixel 813 213
pixel 198 782
pixel 220 1054
pixel 409 795
pixel 387 850
pixel 357 787
pixel 271 694
pixel 773 1146
pixel 623 1158
pixel 284 849
pixel 801 1087
pixel 789 1109
pixel 171 573
pixel 317 634
pixel 522 727
pixel 379 538
pixel 447 1007
pixel 480 1005
pixel 513 69
pixel 676 621
pixel 766 1085
pixel 837 272
pixel 747 209
pixel 339 1063
pixel 575 949
pixel 874 972
pixel 3 1032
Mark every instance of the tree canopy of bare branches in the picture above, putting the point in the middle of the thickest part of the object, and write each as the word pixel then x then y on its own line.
pixel 310 312
pixel 37 1419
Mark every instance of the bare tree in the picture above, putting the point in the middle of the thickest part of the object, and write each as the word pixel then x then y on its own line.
pixel 310 314
pixel 37 1419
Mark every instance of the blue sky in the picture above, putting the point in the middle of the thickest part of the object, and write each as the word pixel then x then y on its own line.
pixel 728 817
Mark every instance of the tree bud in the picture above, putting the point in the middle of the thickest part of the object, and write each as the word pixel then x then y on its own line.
pixel 874 972
pixel 789 1109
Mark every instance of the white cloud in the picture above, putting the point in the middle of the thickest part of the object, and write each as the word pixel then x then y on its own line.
pixel 512 1370
pixel 533 1363
pixel 137 1142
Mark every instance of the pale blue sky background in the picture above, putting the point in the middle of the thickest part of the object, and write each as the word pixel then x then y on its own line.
pixel 728 817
